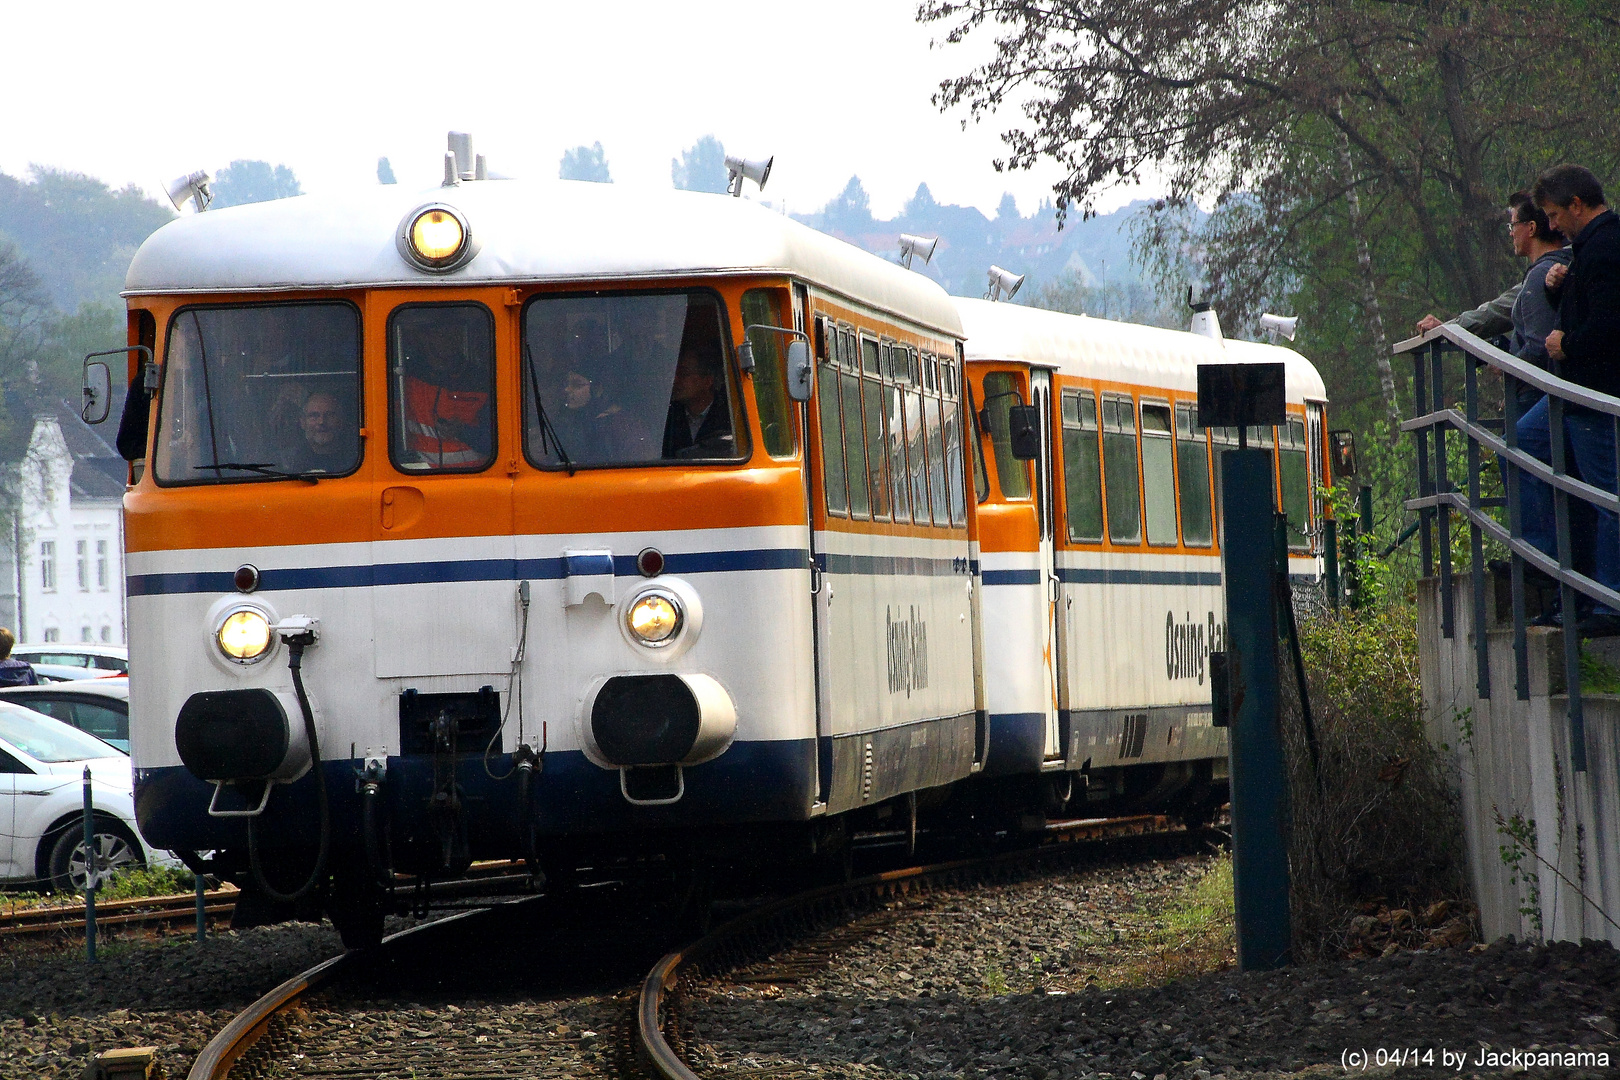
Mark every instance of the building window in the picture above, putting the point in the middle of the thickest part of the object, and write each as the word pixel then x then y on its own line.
pixel 85 634
pixel 53 634
pixel 101 565
pixel 47 566
pixel 82 550
pixel 106 634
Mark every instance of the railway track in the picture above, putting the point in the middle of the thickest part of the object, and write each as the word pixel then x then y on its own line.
pixel 751 947
pixel 306 1028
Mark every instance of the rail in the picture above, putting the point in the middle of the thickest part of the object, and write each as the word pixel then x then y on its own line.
pixel 1438 498
pixel 758 930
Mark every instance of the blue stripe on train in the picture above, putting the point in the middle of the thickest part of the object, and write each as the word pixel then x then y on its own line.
pixel 750 782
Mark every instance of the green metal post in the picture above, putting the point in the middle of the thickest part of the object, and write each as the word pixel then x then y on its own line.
pixel 90 868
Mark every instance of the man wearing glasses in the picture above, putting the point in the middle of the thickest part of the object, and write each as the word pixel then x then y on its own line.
pixel 1524 310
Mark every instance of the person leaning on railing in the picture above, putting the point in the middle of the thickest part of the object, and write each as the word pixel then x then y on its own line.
pixel 1585 349
pixel 1523 310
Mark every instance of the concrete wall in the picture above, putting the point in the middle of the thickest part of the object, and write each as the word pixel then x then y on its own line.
pixel 1512 761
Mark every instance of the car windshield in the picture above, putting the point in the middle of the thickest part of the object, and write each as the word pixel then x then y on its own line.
pixel 628 379
pixel 44 739
pixel 260 392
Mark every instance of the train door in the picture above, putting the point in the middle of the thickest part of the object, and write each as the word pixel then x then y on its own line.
pixel 1040 395
pixel 815 479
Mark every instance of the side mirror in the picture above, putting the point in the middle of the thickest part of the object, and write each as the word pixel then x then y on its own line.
pixel 1023 429
pixel 800 370
pixel 97 392
pixel 1342 452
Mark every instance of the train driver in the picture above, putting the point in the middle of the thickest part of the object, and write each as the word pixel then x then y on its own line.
pixel 699 421
pixel 446 401
pixel 327 443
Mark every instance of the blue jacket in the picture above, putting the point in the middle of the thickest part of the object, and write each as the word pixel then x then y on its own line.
pixel 17 673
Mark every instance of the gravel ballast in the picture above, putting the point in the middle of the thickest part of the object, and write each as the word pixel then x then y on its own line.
pixel 955 990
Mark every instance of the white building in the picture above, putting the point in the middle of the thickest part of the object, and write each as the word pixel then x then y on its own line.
pixel 66 534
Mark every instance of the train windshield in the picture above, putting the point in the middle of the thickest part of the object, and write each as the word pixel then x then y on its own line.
pixel 627 379
pixel 260 392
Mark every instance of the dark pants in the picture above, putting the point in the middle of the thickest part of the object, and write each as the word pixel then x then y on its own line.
pixel 1589 437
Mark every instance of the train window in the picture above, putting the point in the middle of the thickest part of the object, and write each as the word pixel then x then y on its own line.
pixel 1296 484
pixel 1082 470
pixel 885 450
pixel 937 481
pixel 1159 474
pixel 953 462
pixel 1001 393
pixel 441 387
pixel 767 307
pixel 1262 437
pixel 832 440
pixel 930 373
pixel 1192 478
pixel 1221 439
pixel 1314 428
pixel 917 454
pixel 860 474
pixel 260 392
pixel 1119 470
pixel 871 357
pixel 628 379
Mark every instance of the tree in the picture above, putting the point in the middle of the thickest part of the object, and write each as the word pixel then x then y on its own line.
pixel 1357 155
pixel 385 172
pixel 76 234
pixel 254 181
pixel 702 167
pixel 585 163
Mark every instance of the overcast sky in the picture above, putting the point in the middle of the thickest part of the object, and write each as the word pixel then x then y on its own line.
pixel 134 93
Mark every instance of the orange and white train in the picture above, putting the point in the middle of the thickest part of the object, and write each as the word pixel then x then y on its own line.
pixel 561 521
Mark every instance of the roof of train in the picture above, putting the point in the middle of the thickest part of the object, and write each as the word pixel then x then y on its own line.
pixel 528 231
pixel 1080 345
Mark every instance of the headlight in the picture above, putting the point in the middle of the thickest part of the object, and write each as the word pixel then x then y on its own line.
pixel 436 235
pixel 436 238
pixel 654 619
pixel 244 636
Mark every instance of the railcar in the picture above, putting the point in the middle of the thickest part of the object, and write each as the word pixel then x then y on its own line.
pixel 567 522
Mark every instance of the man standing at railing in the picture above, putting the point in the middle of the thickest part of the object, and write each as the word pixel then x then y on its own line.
pixel 1524 310
pixel 1585 349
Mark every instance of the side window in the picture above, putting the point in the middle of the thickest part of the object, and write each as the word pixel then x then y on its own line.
pixel 917 450
pixel 1221 439
pixel 832 436
pixel 953 445
pixel 9 764
pixel 849 384
pixel 873 404
pixel 1082 468
pixel 768 307
pixel 1314 426
pixel 1296 485
pixel 441 388
pixel 104 723
pixel 1119 457
pixel 1159 474
pixel 937 478
pixel 1192 478
pixel 1001 393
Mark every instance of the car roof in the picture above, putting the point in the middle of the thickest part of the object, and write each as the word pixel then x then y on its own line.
pixel 81 648
pixel 117 688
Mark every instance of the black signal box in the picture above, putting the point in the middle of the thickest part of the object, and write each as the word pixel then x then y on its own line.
pixel 1241 395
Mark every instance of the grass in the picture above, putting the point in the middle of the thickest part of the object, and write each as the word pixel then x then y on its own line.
pixel 1193 933
pixel 129 885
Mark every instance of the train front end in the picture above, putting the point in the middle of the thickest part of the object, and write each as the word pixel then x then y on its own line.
pixel 462 534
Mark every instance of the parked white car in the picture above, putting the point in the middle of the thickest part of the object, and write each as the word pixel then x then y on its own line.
pixel 42 763
pixel 99 659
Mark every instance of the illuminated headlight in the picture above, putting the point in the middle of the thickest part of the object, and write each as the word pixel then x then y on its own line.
pixel 245 635
pixel 654 619
pixel 436 237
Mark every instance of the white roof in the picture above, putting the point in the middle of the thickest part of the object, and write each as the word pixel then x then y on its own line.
pixel 528 231
pixel 1084 347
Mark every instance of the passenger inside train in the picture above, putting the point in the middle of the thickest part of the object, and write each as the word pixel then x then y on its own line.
pixel 607 377
pixel 445 379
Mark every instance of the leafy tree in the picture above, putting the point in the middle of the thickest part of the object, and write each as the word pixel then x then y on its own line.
pixel 385 172
pixel 585 163
pixel 75 233
pixel 702 167
pixel 1357 155
pixel 255 181
pixel 1122 301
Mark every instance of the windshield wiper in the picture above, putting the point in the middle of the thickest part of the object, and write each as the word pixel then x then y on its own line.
pixel 548 432
pixel 263 468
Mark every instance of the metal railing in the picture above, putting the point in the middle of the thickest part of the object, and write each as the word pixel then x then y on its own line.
pixel 1438 498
